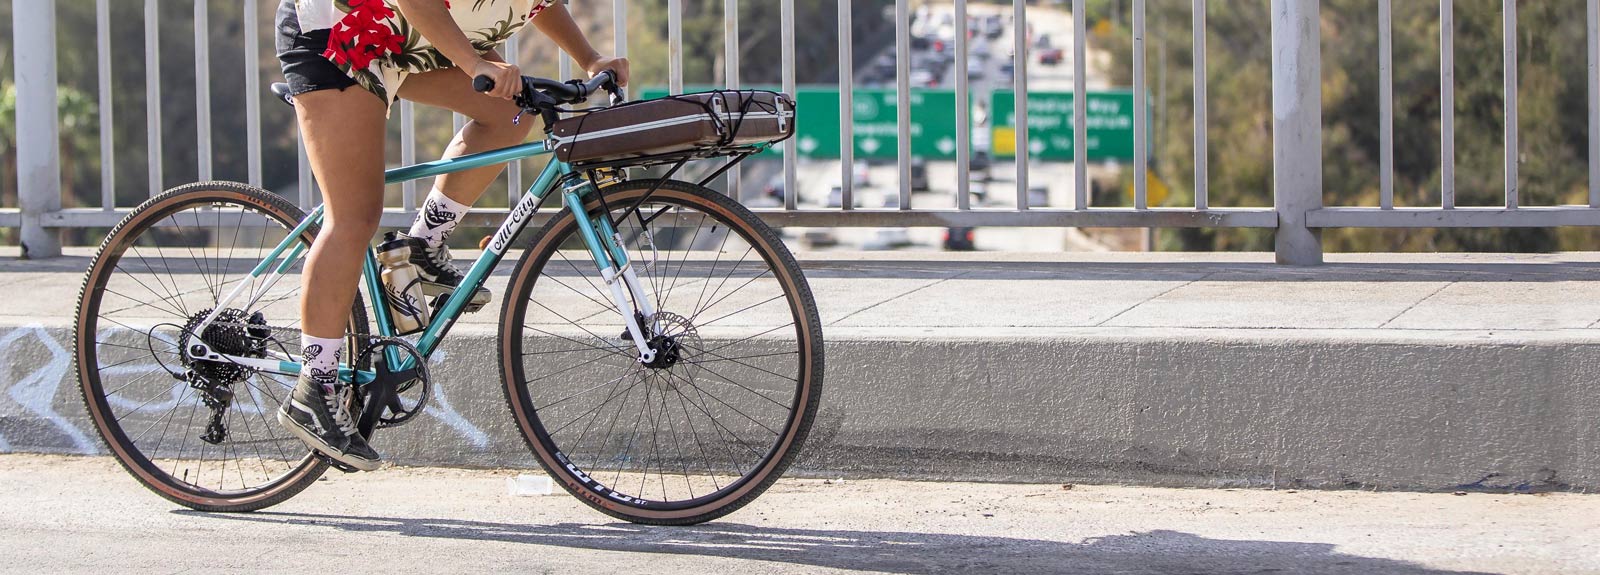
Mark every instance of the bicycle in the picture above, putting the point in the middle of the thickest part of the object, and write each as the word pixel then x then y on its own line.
pixel 679 317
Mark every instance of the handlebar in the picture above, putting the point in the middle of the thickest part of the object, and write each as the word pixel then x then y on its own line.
pixel 569 92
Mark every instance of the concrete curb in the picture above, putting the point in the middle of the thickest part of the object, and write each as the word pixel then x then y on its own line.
pixel 1194 408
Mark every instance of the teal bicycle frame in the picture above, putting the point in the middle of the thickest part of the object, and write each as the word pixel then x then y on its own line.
pixel 610 258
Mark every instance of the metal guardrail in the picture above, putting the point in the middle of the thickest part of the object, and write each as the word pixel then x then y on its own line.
pixel 1298 212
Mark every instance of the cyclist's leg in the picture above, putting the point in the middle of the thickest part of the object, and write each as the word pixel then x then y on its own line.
pixel 490 127
pixel 343 133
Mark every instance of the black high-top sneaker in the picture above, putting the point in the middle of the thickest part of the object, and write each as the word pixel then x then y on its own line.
pixel 438 271
pixel 320 419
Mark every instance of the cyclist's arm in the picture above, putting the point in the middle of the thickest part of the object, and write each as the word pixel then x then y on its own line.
pixel 433 20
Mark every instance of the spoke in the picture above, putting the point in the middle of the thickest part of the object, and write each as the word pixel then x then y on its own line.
pixel 719 400
pixel 695 434
pixel 613 395
pixel 746 308
pixel 147 401
pixel 592 388
pixel 736 360
pixel 700 310
pixel 722 428
pixel 586 279
pixel 726 345
pixel 140 254
pixel 615 350
pixel 687 251
pixel 168 416
pixel 752 391
pixel 574 324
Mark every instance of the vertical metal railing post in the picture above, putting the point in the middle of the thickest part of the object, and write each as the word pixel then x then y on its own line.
pixel 675 46
pixel 408 152
pixel 791 148
pixel 1080 104
pixel 619 28
pixel 730 59
pixel 108 163
pixel 252 92
pixel 1513 147
pixel 33 24
pixel 152 91
pixel 1386 104
pixel 1202 144
pixel 1447 104
pixel 1594 103
pixel 513 56
pixel 1141 112
pixel 963 113
pixel 202 88
pixel 847 111
pixel 902 43
pixel 1296 128
pixel 1019 33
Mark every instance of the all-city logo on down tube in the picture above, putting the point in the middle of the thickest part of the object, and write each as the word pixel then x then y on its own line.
pixel 523 211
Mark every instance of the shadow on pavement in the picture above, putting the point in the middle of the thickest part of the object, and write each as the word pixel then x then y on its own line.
pixel 1155 552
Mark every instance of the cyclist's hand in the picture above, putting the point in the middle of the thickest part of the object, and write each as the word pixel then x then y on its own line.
pixel 507 77
pixel 617 65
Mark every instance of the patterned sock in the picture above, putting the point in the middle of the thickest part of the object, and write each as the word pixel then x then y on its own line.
pixel 437 218
pixel 321 360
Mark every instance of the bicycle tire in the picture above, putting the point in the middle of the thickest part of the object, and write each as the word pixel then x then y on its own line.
pixel 301 471
pixel 809 363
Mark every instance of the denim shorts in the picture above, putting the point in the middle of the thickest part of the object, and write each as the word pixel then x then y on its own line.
pixel 300 54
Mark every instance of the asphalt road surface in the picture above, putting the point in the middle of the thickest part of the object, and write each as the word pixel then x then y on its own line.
pixel 84 515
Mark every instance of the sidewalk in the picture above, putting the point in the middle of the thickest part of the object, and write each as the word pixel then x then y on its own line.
pixel 1420 372
pixel 945 294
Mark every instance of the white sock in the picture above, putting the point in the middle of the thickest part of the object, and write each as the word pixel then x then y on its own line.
pixel 321 359
pixel 437 218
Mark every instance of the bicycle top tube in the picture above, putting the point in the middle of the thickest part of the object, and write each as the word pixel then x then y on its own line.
pixel 463 163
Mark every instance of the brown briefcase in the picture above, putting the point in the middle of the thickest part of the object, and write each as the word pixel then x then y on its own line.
pixel 706 124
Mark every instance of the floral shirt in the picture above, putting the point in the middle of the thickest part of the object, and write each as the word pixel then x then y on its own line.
pixel 374 44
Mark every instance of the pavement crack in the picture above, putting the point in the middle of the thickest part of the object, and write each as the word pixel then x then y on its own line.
pixel 859 311
pixel 1453 281
pixel 1103 322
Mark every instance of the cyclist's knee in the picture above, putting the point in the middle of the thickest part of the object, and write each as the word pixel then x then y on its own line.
pixel 359 227
pixel 501 123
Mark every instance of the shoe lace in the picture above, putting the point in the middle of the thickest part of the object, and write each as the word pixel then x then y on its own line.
pixel 341 415
pixel 439 257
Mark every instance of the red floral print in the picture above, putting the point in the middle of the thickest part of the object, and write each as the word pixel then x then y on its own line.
pixel 363 35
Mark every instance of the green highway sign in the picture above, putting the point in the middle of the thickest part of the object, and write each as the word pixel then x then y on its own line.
pixel 933 123
pixel 1050 135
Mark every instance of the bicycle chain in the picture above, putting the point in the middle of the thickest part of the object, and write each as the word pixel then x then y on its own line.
pixel 372 341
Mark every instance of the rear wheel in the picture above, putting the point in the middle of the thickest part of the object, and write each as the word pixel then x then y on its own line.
pixel 728 403
pixel 201 434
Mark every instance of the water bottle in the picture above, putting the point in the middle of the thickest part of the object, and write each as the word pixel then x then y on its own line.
pixel 402 286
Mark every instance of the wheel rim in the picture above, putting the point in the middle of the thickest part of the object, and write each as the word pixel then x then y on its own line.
pixel 670 438
pixel 169 265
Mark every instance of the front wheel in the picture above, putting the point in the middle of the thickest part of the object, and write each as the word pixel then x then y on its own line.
pixel 727 405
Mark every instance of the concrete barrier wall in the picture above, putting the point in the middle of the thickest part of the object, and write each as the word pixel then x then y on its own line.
pixel 1160 407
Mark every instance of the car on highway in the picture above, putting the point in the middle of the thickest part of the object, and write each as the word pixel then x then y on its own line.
pixel 1051 56
pixel 959 240
pixel 819 238
pixel 919 175
pixel 925 78
pixel 980 164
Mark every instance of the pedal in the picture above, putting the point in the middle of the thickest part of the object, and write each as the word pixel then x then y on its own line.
pixel 336 464
pixel 480 298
